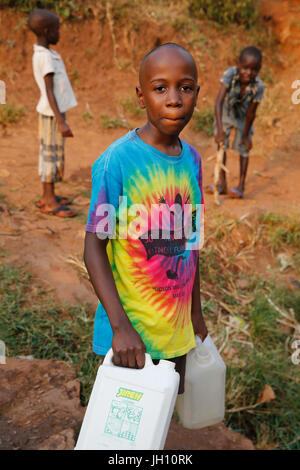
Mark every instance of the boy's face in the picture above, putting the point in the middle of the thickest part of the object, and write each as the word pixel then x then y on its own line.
pixel 248 69
pixel 52 31
pixel 168 89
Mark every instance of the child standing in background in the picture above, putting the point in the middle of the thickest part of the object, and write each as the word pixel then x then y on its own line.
pixel 236 104
pixel 57 97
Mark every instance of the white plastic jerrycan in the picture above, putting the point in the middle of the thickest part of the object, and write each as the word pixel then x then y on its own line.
pixel 203 401
pixel 130 408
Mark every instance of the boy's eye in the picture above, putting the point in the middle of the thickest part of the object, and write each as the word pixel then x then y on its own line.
pixel 186 88
pixel 160 88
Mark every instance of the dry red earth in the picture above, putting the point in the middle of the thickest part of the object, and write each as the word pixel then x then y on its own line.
pixel 45 242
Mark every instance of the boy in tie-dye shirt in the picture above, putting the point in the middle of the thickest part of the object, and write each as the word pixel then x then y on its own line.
pixel 141 261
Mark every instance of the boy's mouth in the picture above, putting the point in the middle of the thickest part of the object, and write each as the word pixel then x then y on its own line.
pixel 174 119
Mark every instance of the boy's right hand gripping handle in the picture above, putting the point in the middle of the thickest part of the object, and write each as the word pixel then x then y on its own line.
pixel 108 360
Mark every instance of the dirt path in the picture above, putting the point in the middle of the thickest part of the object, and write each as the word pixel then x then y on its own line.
pixel 46 242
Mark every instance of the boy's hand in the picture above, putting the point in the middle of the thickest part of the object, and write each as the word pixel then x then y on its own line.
pixel 128 348
pixel 65 129
pixel 220 137
pixel 247 141
pixel 199 326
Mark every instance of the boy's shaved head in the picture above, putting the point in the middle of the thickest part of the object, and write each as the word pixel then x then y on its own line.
pixel 40 19
pixel 253 52
pixel 162 50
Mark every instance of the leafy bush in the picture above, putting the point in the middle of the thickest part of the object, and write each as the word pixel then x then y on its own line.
pixel 226 11
pixel 10 113
pixel 203 121
pixel 66 8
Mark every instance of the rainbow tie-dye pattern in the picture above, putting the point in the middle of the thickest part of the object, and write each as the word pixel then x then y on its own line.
pixel 154 278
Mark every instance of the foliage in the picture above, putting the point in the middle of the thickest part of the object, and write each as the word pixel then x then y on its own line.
pixel 31 323
pixel 112 123
pixel 203 121
pixel 131 106
pixel 9 113
pixel 66 8
pixel 226 11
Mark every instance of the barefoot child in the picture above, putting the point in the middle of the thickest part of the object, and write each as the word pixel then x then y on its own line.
pixel 57 97
pixel 148 287
pixel 236 104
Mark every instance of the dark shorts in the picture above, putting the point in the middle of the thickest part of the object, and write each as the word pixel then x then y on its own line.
pixel 180 363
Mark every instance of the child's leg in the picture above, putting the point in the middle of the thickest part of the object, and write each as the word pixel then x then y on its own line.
pixel 243 172
pixel 244 159
pixel 222 178
pixel 51 166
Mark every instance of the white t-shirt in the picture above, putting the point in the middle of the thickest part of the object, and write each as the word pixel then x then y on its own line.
pixel 46 61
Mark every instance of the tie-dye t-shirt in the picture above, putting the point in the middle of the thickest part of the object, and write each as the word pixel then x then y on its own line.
pixel 154 275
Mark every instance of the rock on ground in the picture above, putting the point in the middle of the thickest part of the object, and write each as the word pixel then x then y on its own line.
pixel 40 409
pixel 39 405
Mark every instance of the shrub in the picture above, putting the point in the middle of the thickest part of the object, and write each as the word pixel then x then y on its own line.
pixel 226 11
pixel 203 121
pixel 10 113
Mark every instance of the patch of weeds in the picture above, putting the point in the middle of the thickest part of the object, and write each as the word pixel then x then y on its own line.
pixel 243 12
pixel 112 123
pixel 68 9
pixel 74 77
pixel 203 121
pixel 32 323
pixel 87 117
pixel 131 106
pixel 281 230
pixel 9 113
pixel 267 76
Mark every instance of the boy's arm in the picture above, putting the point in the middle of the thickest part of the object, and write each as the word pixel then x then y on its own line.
pixel 220 137
pixel 250 116
pixel 63 126
pixel 196 313
pixel 128 347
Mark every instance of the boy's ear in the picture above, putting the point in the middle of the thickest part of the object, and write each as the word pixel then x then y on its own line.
pixel 197 92
pixel 140 96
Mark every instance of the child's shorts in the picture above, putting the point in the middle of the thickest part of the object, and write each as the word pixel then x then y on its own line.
pixel 51 153
pixel 228 124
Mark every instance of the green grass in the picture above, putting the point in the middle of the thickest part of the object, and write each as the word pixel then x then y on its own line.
pixel 87 117
pixel 112 123
pixel 33 323
pixel 281 230
pixel 69 9
pixel 9 113
pixel 130 106
pixel 203 121
pixel 226 12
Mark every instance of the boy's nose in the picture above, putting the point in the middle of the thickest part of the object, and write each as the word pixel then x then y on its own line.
pixel 173 98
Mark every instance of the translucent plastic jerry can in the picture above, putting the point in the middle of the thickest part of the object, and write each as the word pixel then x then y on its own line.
pixel 130 408
pixel 203 401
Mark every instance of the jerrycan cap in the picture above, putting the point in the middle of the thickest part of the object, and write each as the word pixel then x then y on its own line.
pixel 166 364
pixel 202 353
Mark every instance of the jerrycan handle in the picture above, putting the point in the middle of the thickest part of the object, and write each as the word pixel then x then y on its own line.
pixel 108 360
